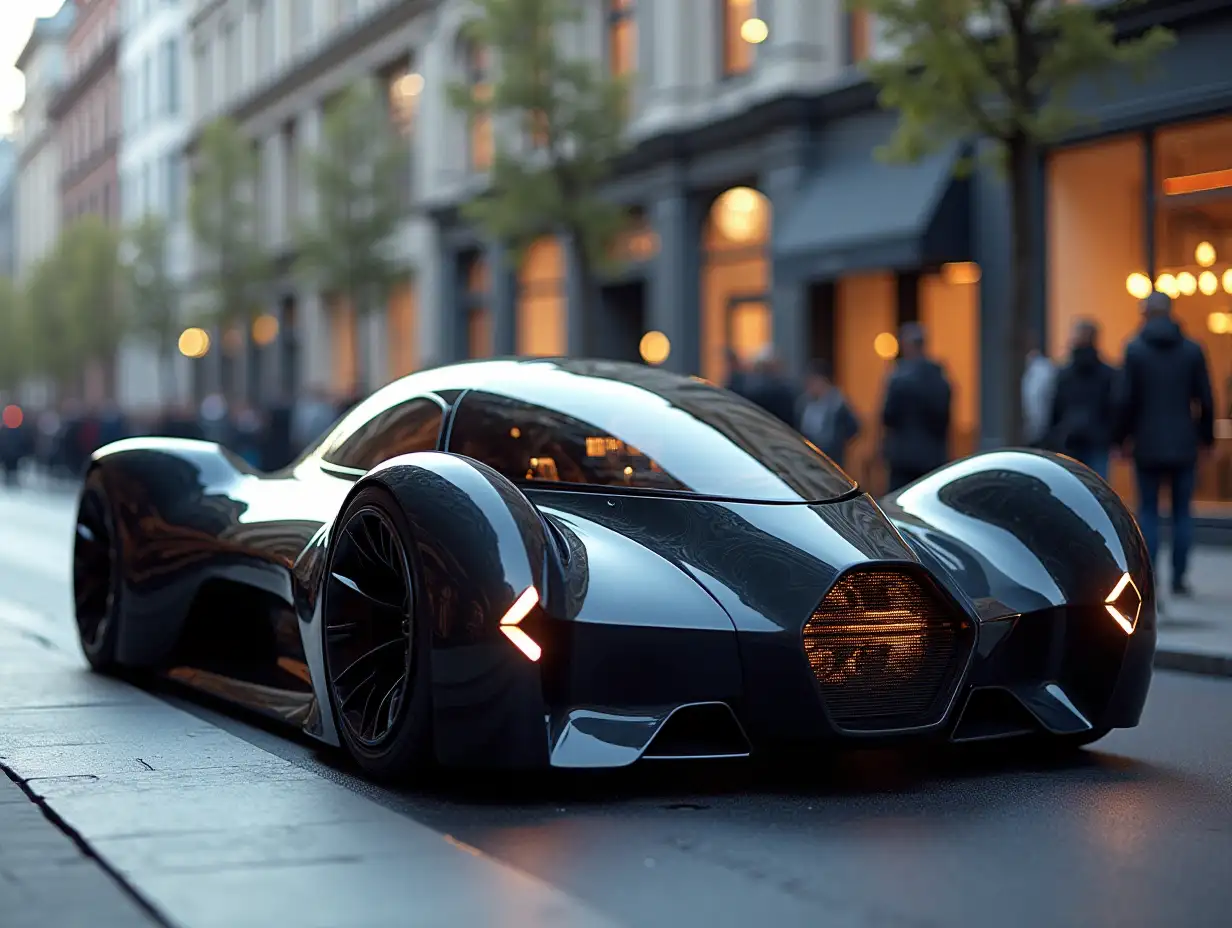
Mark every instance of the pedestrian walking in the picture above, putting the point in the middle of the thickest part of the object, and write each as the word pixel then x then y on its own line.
pixel 1083 415
pixel 1167 418
pixel 916 413
pixel 767 386
pixel 825 416
pixel 1038 386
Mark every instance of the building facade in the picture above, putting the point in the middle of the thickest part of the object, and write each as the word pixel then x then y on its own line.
pixel 8 205
pixel 155 122
pixel 271 65
pixel 86 114
pixel 43 64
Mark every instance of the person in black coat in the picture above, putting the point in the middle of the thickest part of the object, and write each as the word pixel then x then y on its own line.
pixel 766 386
pixel 1168 419
pixel 916 414
pixel 1084 403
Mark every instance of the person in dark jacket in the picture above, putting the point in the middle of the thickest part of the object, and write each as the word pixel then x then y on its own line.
pixel 1168 417
pixel 825 417
pixel 916 414
pixel 1083 416
pixel 766 386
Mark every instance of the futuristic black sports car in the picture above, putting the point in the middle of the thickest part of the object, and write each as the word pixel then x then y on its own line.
pixel 517 563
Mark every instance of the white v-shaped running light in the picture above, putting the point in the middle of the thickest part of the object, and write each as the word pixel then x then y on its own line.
pixel 1124 604
pixel 512 619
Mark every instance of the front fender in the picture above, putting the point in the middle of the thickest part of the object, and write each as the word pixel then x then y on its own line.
pixel 479 544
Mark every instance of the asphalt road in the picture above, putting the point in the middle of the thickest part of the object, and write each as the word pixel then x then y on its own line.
pixel 1136 832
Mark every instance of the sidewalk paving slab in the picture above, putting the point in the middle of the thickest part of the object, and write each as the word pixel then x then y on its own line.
pixel 1195 632
pixel 211 830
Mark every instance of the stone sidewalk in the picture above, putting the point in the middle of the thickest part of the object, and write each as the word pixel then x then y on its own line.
pixel 47 880
pixel 1195 632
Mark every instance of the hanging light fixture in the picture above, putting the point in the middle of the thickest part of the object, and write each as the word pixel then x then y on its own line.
pixel 1204 254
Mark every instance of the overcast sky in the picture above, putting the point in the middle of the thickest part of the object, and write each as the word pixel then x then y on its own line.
pixel 16 20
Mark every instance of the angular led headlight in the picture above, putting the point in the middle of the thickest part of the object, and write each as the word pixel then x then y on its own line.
pixel 1124 604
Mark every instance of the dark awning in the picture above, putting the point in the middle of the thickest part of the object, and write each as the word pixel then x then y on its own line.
pixel 857 213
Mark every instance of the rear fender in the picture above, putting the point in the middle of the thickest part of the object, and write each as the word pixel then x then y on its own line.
pixel 174 507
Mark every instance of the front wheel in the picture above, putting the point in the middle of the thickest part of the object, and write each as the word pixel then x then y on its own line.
pixel 97 576
pixel 376 645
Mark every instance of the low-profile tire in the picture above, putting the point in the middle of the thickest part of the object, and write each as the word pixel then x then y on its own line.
pixel 376 642
pixel 97 576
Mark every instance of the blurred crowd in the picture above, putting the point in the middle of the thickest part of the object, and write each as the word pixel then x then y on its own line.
pixel 59 442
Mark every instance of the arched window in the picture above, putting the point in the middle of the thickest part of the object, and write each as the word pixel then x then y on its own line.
pixel 735 280
pixel 622 37
pixel 741 30
pixel 479 78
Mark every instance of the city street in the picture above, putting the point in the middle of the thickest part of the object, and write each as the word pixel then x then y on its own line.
pixel 212 820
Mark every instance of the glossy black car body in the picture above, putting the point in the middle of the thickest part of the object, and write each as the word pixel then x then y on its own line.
pixel 704 582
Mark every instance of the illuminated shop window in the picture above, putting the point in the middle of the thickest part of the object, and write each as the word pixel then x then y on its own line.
pixel 541 300
pixel 741 30
pixel 405 89
pixel 622 37
pixel 478 317
pixel 478 75
pixel 735 279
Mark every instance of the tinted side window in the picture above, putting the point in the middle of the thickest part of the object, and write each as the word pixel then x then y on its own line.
pixel 412 426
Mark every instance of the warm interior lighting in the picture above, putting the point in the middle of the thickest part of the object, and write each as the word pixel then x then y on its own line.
pixel 1208 283
pixel 1217 323
pixel 194 343
pixel 1138 285
pixel 510 620
pixel 1186 283
pixel 1227 280
pixel 12 416
pixel 654 347
pixel 886 346
pixel 1198 183
pixel 1166 283
pixel 740 214
pixel 958 273
pixel 1124 604
pixel 409 85
pixel 264 329
pixel 1204 254
pixel 754 31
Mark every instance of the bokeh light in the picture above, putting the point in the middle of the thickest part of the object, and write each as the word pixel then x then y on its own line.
pixel 740 214
pixel 194 342
pixel 1138 285
pixel 264 329
pixel 1186 283
pixel 1204 254
pixel 1217 323
pixel 754 31
pixel 886 346
pixel 12 416
pixel 1227 280
pixel 1166 283
pixel 655 347
pixel 1208 283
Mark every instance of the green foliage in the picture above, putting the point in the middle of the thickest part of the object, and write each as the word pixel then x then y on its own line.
pixel 14 336
pixel 57 342
pixel 569 106
pixel 89 259
pixel 152 294
pixel 360 174
pixel 223 210
pixel 1002 69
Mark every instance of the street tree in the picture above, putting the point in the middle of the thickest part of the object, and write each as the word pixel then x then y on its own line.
pixel 153 295
pixel 14 337
pixel 1001 70
pixel 565 116
pixel 89 259
pixel 224 212
pixel 56 341
pixel 359 173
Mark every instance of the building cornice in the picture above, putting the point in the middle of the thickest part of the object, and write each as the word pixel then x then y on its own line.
pixel 106 60
pixel 344 45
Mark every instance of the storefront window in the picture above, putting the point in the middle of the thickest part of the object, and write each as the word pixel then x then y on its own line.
pixel 342 330
pixel 622 37
pixel 541 300
pixel 1193 257
pixel 735 278
pixel 741 32
pixel 403 358
pixel 1096 243
pixel 480 136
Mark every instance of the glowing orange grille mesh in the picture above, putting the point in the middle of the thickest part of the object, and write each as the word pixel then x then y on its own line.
pixel 886 651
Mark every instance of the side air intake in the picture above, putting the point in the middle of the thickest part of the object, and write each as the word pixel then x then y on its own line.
pixel 700 730
pixel 993 713
pixel 887 649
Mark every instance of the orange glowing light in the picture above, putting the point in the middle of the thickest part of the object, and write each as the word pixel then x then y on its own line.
pixel 13 416
pixel 1118 609
pixel 517 612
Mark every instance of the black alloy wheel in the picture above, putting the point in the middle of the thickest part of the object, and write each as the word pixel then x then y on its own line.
pixel 96 562
pixel 370 635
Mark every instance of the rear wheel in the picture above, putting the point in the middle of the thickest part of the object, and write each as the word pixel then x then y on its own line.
pixel 375 644
pixel 96 576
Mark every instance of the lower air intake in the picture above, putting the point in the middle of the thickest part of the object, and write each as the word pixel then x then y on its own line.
pixel 887 650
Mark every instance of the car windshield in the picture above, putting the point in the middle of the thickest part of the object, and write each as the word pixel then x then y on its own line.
pixel 664 433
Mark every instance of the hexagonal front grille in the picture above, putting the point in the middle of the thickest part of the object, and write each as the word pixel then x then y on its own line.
pixel 887 650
